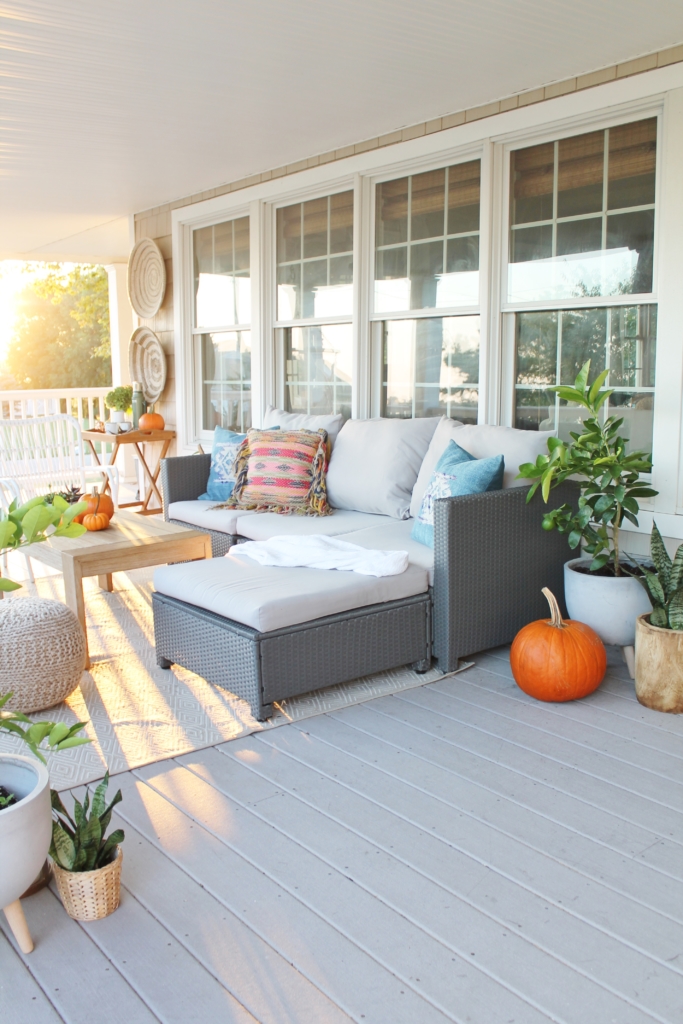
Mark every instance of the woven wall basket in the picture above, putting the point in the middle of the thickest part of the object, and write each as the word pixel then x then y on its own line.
pixel 90 895
pixel 146 278
pixel 42 652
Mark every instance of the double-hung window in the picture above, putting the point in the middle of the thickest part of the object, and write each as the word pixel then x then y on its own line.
pixel 221 325
pixel 314 255
pixel 426 292
pixel 580 275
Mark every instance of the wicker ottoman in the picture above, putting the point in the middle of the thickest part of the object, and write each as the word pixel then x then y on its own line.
pixel 42 652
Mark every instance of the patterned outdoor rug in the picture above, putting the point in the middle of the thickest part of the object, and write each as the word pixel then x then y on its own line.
pixel 138 713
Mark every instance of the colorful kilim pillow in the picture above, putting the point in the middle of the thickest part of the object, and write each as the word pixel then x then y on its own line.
pixel 282 471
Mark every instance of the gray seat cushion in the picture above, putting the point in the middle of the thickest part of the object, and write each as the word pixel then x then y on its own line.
pixel 268 598
pixel 202 515
pixel 264 525
pixel 394 535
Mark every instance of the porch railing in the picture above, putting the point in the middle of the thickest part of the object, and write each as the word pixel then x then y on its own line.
pixel 85 404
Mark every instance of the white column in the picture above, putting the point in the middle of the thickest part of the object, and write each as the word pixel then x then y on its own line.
pixel 122 323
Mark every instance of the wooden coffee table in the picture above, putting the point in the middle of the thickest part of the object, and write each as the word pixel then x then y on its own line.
pixel 131 542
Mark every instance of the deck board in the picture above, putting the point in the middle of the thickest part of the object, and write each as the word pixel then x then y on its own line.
pixel 456 852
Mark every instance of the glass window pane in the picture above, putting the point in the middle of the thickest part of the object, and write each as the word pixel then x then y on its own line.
pixel 392 286
pixel 427 362
pixel 637 411
pixel 580 173
pixel 428 201
pixel 426 266
pixel 341 222
pixel 225 360
pixel 289 233
pixel 315 228
pixel 534 410
pixel 319 368
pixel 464 188
pixel 392 212
pixel 633 234
pixel 579 236
pixel 289 292
pixel 632 346
pixel 220 300
pixel 584 336
pixel 531 183
pixel 531 244
pixel 241 229
pixel 462 254
pixel 631 168
pixel 536 348
pixel 315 277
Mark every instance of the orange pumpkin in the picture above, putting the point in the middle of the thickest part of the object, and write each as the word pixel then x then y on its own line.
pixel 151 421
pixel 98 503
pixel 96 521
pixel 557 659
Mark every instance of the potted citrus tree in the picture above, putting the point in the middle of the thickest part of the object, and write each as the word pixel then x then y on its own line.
pixel 598 589
pixel 659 633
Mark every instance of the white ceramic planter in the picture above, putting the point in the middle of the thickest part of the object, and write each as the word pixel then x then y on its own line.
pixel 25 832
pixel 26 827
pixel 117 415
pixel 610 606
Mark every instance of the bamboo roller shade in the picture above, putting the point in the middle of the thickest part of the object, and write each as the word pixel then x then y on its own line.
pixel 428 192
pixel 632 152
pixel 315 216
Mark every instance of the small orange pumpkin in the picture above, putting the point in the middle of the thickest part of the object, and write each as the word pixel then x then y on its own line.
pixel 557 659
pixel 96 521
pixel 151 421
pixel 98 503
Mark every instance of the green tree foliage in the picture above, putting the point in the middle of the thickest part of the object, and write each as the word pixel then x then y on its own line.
pixel 61 333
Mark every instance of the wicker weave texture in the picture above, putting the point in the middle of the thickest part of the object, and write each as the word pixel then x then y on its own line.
pixel 213 647
pixel 491 561
pixel 265 667
pixel 184 478
pixel 90 895
pixel 42 652
pixel 220 542
pixel 345 647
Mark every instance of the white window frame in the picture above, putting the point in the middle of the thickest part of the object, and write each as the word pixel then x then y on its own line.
pixel 659 91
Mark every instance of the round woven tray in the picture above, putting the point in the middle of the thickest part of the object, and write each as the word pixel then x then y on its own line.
pixel 146 278
pixel 90 895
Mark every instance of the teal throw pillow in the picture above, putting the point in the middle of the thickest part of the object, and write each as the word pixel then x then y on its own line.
pixel 457 473
pixel 221 478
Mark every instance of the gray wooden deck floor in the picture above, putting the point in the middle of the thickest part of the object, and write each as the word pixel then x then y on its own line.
pixel 457 852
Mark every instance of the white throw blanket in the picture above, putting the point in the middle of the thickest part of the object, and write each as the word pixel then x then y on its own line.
pixel 315 552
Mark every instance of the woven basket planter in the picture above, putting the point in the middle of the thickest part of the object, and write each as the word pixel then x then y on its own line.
pixel 90 895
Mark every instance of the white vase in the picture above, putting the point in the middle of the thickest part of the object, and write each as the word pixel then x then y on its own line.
pixel 608 604
pixel 117 415
pixel 25 827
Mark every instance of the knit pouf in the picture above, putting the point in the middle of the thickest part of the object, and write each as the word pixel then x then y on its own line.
pixel 42 652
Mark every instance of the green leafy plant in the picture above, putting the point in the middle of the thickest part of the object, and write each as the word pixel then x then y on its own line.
pixel 80 843
pixel 609 476
pixel 49 735
pixel 665 586
pixel 37 520
pixel 71 496
pixel 120 398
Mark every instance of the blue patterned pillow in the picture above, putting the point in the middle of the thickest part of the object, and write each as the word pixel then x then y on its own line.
pixel 457 473
pixel 221 478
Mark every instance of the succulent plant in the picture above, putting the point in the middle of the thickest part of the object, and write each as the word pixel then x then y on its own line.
pixel 665 586
pixel 80 843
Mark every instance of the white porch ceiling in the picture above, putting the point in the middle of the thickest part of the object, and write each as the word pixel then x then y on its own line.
pixel 108 108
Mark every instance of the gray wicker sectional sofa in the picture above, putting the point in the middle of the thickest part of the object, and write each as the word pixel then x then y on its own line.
pixel 267 633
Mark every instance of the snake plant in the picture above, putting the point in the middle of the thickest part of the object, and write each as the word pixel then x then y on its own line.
pixel 80 843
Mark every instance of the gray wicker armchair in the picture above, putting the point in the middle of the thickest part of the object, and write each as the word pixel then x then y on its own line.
pixel 492 560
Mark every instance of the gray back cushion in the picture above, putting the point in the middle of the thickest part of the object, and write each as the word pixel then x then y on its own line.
pixel 375 463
